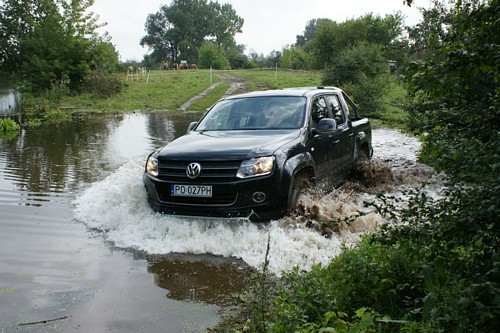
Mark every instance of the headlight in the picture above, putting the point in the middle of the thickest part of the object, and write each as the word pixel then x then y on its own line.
pixel 152 166
pixel 256 167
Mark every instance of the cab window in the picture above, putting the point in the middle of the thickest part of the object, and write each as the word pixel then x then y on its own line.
pixel 319 110
pixel 338 112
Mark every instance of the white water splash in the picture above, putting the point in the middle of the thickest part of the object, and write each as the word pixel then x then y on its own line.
pixel 117 206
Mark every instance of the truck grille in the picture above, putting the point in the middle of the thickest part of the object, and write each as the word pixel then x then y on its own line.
pixel 211 171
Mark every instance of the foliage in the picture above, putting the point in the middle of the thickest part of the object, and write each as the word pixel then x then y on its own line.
pixel 356 55
pixel 9 129
pixel 51 43
pixel 210 55
pixel 8 125
pixel 177 30
pixel 294 57
pixel 236 57
pixel 309 32
pixel 330 38
pixel 102 84
pixel 362 71
pixel 455 91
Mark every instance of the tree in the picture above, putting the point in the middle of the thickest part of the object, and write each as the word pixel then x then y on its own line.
pixel 18 20
pixel 330 37
pixel 49 43
pixel 323 45
pixel 295 57
pixel 309 32
pixel 360 70
pixel 176 31
pixel 226 24
pixel 454 87
pixel 210 55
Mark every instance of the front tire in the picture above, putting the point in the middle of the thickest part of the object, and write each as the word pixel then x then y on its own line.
pixel 299 186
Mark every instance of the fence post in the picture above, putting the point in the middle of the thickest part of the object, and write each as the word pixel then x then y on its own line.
pixel 276 72
pixel 211 79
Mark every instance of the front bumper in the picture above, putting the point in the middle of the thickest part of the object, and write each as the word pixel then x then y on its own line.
pixel 230 199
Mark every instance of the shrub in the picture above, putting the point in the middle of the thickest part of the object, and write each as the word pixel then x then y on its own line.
pixel 212 55
pixel 8 125
pixel 295 57
pixel 102 84
pixel 362 71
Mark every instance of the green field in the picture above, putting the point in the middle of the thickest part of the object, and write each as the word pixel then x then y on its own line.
pixel 167 90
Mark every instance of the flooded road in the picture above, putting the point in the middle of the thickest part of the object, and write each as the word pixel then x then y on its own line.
pixel 80 246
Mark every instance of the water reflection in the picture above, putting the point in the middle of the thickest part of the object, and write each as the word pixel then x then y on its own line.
pixel 51 267
pixel 51 160
pixel 205 278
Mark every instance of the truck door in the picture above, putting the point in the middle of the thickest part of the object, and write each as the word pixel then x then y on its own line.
pixel 324 148
pixel 345 133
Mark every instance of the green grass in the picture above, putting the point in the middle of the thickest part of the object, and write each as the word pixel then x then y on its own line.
pixel 166 90
pixel 282 79
pixel 394 115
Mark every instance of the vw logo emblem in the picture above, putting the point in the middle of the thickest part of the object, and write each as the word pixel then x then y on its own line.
pixel 193 170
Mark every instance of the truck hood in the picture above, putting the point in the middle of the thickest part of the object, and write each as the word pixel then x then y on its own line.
pixel 227 144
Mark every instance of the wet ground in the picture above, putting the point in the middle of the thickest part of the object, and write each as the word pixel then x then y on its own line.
pixel 81 249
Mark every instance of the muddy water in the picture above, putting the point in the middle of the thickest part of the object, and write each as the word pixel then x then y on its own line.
pixel 79 243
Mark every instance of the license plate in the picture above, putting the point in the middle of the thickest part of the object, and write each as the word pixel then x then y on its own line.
pixel 199 191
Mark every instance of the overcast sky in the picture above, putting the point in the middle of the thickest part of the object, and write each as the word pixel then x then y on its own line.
pixel 269 25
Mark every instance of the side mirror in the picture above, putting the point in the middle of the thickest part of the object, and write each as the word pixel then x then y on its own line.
pixel 191 126
pixel 326 126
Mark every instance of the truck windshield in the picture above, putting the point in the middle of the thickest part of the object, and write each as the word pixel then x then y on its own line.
pixel 255 113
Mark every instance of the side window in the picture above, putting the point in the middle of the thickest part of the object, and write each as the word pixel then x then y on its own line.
pixel 318 110
pixel 351 107
pixel 338 113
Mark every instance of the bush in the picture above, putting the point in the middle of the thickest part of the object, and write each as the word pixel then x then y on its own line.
pixel 8 129
pixel 362 71
pixel 212 55
pixel 296 58
pixel 102 84
pixel 8 125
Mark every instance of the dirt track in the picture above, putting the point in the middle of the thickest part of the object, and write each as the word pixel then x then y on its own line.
pixel 237 84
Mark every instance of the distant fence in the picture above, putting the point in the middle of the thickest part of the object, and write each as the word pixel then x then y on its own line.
pixel 146 73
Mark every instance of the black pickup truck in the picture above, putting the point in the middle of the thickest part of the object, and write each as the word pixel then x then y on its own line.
pixel 252 155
